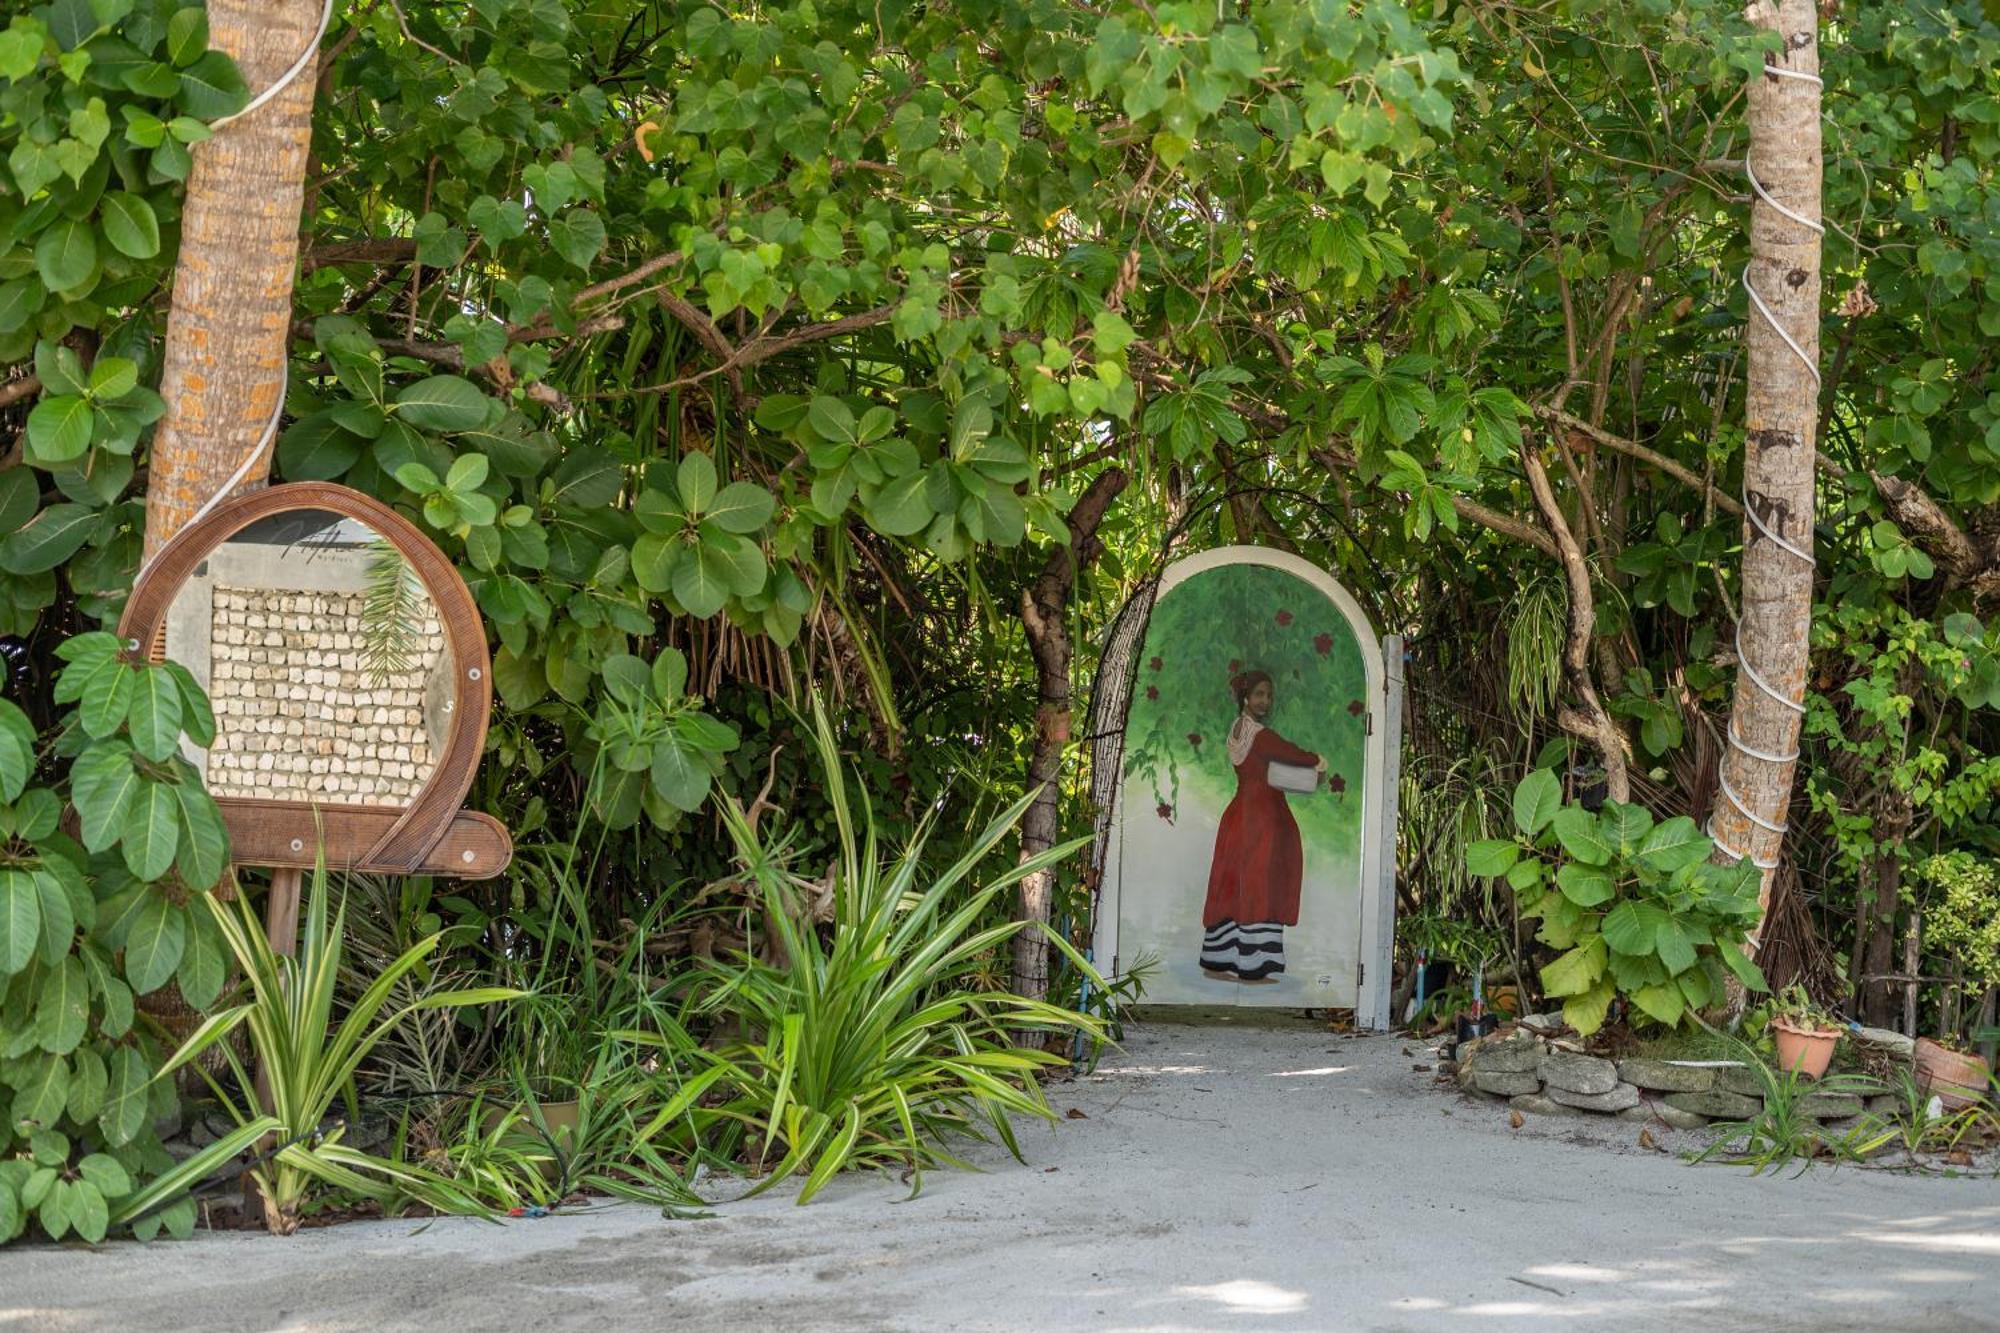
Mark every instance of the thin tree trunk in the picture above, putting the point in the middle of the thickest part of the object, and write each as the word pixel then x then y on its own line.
pixel 224 370
pixel 1588 721
pixel 1781 408
pixel 1878 998
pixel 1044 613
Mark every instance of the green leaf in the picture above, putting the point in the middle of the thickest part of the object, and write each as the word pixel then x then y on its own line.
pixel 59 429
pixel 1676 843
pixel 62 1013
pixel 131 225
pixel 1492 856
pixel 1626 825
pixel 124 1113
pixel 197 717
pixel 1586 1012
pixel 695 481
pixel 88 1079
pixel 211 87
pixel 17 751
pixel 1744 970
pixel 1576 828
pixel 1586 886
pixel 1576 971
pixel 1633 927
pixel 1536 801
pixel 66 255
pixel 679 775
pixel 49 539
pixel 577 236
pixel 43 1092
pixel 442 403
pixel 155 714
pixel 57 933
pixel 1661 1001
pixel 152 831
pixel 202 853
pixel 741 506
pixel 187 35
pixel 203 966
pixel 107 698
pixel 701 581
pixel 154 944
pixel 670 674
pixel 20 920
pixel 103 1171
pixel 901 508
pixel 1674 948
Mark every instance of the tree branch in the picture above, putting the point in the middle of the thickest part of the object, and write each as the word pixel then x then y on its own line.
pixel 1633 449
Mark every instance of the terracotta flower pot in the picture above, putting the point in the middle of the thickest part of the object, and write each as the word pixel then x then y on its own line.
pixel 1808 1050
pixel 1957 1080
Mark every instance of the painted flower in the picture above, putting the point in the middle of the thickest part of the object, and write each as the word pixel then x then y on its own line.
pixel 1156 664
pixel 1336 783
pixel 1284 618
pixel 1194 739
pixel 1322 644
pixel 1357 708
pixel 1164 811
pixel 1152 691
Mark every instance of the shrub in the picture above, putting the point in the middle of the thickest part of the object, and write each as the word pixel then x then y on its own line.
pixel 1635 907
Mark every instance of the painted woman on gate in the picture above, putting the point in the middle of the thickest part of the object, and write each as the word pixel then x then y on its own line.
pixel 1259 863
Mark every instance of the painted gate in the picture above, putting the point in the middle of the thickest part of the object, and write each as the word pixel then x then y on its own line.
pixel 1246 860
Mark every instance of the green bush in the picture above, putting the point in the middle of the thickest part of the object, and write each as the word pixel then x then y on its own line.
pixel 1636 907
pixel 872 1046
pixel 86 925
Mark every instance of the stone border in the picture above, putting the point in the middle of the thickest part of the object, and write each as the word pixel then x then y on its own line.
pixel 1545 1075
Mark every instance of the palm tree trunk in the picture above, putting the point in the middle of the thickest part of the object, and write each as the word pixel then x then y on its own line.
pixel 1782 391
pixel 229 329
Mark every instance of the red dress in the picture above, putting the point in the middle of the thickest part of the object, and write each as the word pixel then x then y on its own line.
pixel 1259 862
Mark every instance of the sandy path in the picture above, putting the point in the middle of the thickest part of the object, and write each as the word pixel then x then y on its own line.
pixel 1224 1178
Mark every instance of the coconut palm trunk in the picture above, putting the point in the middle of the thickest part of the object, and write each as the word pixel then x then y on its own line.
pixel 1782 391
pixel 228 332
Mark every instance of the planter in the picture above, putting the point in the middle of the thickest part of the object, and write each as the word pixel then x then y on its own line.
pixel 1806 1050
pixel 1957 1080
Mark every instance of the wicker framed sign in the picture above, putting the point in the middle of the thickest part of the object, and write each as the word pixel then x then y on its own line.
pixel 348 669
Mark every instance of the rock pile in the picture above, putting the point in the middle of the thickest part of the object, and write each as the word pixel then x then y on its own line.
pixel 1543 1075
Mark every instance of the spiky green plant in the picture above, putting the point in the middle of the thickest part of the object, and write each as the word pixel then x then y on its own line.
pixel 873 1046
pixel 306 1054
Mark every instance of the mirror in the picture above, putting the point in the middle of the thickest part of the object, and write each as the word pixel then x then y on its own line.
pixel 326 659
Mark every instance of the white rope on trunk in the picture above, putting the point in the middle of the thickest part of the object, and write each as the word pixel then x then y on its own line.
pixel 1743 664
pixel 270 432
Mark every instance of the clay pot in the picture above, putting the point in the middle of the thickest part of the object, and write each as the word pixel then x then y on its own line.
pixel 1956 1080
pixel 1807 1050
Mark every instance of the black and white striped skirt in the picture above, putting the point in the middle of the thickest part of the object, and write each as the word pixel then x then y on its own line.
pixel 1253 951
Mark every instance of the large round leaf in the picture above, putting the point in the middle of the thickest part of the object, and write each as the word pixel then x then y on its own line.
pixel 442 402
pixel 66 255
pixel 130 225
pixel 51 537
